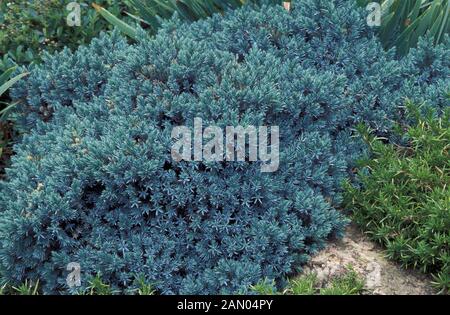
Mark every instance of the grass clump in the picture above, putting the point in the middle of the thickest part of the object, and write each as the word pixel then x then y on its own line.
pixel 402 196
pixel 26 288
pixel 304 285
pixel 264 287
pixel 348 283
pixel 97 286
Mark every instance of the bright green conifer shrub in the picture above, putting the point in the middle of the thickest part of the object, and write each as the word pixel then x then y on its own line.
pixel 402 198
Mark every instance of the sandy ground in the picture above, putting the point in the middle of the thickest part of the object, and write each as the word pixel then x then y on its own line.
pixel 381 276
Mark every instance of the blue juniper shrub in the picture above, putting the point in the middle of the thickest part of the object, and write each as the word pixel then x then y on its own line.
pixel 93 180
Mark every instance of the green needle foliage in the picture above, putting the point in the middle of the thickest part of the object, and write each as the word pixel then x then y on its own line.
pixel 402 198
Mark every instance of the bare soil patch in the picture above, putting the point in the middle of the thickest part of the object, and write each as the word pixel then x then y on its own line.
pixel 381 276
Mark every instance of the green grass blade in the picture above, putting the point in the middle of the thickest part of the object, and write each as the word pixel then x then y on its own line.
pixel 11 82
pixel 111 18
pixel 4 112
pixel 5 75
pixel 149 13
pixel 444 24
pixel 434 30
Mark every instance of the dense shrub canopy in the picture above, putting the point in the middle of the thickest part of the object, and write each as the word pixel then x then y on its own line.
pixel 93 180
pixel 403 202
